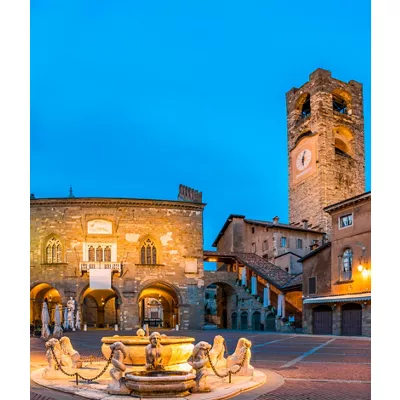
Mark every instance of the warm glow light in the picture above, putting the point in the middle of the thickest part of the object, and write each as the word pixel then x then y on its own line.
pixel 365 273
pixel 360 267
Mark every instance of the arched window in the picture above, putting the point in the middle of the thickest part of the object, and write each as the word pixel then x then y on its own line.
pixel 148 253
pixel 339 104
pixel 53 251
pixel 107 254
pixel 347 262
pixel 304 106
pixel 99 254
pixel 91 254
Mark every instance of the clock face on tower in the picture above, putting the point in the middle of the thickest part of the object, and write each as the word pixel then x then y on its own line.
pixel 303 159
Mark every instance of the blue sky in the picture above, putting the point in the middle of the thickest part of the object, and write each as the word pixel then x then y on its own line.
pixel 130 99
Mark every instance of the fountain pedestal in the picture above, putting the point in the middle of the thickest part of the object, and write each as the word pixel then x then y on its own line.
pixel 160 383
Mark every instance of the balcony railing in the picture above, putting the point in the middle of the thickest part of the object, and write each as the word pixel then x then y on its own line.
pixel 87 266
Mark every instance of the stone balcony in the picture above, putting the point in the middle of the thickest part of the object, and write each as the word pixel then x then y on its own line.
pixel 88 265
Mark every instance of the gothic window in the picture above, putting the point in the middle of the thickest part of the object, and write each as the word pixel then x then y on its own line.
pixel 148 253
pixel 91 254
pixel 99 254
pixel 347 262
pixel 53 251
pixel 107 254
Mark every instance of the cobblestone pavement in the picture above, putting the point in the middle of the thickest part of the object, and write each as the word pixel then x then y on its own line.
pixel 314 367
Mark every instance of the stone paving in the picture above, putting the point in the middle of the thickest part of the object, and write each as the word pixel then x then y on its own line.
pixel 314 367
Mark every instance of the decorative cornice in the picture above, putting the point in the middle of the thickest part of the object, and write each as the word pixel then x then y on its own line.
pixel 116 202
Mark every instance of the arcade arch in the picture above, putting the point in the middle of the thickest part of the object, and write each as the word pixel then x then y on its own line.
pixel 159 305
pixel 40 293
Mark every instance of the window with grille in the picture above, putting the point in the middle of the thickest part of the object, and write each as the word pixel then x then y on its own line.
pixel 299 243
pixel 53 251
pixel 312 288
pixel 148 253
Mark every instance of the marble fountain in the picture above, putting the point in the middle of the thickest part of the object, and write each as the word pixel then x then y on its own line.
pixel 154 366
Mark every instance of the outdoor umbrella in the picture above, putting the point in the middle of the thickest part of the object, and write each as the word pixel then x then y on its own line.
pixel 57 323
pixel 66 325
pixel 45 321
pixel 78 320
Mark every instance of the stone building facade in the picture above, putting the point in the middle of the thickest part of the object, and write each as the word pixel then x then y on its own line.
pixel 337 275
pixel 118 257
pixel 281 244
pixel 325 147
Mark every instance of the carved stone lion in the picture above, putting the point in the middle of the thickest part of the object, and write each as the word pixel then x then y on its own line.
pixel 217 352
pixel 242 354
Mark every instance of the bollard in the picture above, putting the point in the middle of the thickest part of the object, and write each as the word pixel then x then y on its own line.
pixel 177 327
pixel 116 327
pixel 85 327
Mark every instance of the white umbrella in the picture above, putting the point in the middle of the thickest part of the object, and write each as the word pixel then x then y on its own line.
pixel 78 320
pixel 45 321
pixel 57 323
pixel 66 325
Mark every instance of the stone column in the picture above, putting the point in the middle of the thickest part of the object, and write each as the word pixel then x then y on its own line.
pixel 267 300
pixel 244 280
pixel 129 314
pixel 253 285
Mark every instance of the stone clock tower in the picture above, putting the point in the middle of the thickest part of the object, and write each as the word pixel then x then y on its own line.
pixel 325 147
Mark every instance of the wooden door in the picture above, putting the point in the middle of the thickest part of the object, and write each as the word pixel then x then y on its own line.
pixel 243 320
pixel 352 319
pixel 234 321
pixel 256 321
pixel 322 320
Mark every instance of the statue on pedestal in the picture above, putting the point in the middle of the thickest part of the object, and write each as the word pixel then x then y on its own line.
pixel 71 313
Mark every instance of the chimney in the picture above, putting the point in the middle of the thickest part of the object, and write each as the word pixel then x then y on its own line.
pixel 276 220
pixel 305 223
pixel 188 194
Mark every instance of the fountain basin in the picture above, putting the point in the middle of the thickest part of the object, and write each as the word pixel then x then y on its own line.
pixel 160 383
pixel 176 349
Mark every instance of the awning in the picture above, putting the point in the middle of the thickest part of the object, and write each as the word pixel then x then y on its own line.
pixel 339 299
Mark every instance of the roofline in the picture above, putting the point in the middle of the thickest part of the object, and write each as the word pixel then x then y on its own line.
pixel 115 201
pixel 280 226
pixel 317 250
pixel 288 252
pixel 347 202
pixel 225 226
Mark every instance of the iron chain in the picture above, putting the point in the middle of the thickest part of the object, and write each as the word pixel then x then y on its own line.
pixel 77 374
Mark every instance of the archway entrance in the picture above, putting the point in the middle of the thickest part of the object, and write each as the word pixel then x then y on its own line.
pixel 243 320
pixel 256 321
pixel 100 308
pixel 352 319
pixel 158 306
pixel 270 322
pixel 217 298
pixel 40 293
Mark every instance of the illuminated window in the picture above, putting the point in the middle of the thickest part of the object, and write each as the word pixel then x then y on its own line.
pixel 53 251
pixel 148 253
